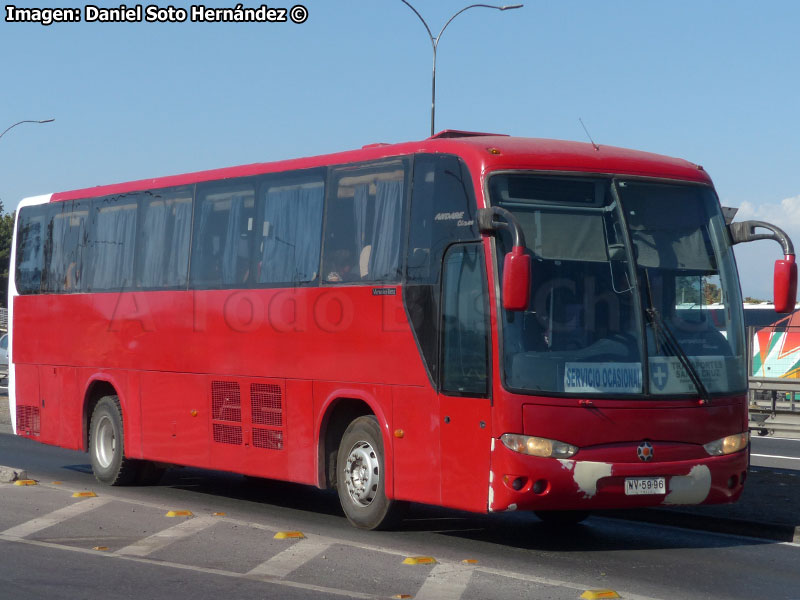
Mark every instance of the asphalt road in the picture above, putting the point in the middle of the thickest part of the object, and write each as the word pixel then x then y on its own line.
pixel 48 540
pixel 777 453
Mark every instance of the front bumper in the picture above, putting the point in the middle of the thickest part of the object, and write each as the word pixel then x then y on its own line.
pixel 522 482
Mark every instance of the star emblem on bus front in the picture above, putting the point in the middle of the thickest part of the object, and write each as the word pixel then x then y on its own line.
pixel 645 451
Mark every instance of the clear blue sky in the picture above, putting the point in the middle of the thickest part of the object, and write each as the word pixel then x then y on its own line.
pixel 713 82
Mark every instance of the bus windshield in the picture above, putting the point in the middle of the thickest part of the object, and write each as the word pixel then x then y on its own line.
pixel 622 273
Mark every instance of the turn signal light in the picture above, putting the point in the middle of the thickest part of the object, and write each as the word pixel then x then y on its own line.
pixel 728 445
pixel 536 446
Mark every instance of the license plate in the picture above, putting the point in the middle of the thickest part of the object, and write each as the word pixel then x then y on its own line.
pixel 640 486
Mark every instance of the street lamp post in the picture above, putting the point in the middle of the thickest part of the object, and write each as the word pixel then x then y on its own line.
pixel 435 43
pixel 21 122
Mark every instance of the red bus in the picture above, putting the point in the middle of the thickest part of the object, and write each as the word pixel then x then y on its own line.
pixel 475 321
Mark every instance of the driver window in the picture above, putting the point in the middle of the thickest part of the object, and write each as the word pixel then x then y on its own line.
pixel 465 343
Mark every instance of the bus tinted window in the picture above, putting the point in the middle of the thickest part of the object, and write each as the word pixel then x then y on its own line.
pixel 442 212
pixel 223 235
pixel 364 223
pixel 291 232
pixel 465 347
pixel 112 243
pixel 65 246
pixel 164 238
pixel 30 249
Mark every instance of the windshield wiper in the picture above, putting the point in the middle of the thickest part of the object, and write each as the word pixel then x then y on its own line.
pixel 668 340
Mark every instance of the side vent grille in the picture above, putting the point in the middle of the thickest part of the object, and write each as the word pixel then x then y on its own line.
pixel 267 405
pixel 269 439
pixel 264 423
pixel 227 434
pixel 28 420
pixel 266 401
pixel 226 405
pixel 226 401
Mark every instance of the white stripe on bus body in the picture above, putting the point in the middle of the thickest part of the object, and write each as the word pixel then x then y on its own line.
pixel 12 292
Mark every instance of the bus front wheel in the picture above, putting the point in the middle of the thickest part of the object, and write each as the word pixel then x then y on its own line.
pixel 360 477
pixel 106 444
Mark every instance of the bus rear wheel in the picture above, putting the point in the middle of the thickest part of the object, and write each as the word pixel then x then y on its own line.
pixel 360 477
pixel 106 445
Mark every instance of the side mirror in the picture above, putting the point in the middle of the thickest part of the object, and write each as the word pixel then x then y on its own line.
pixel 785 284
pixel 517 279
pixel 516 264
pixel 785 278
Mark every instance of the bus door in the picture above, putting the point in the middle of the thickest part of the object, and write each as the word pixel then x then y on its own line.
pixel 465 407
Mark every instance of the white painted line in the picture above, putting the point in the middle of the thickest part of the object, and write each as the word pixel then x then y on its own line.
pixel 55 517
pixel 781 457
pixel 445 582
pixel 290 559
pixel 164 538
pixel 558 583
pixel 193 568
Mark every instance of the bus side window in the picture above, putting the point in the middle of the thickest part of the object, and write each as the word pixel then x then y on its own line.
pixel 30 249
pixel 291 233
pixel 112 241
pixel 364 223
pixel 224 231
pixel 163 254
pixel 65 245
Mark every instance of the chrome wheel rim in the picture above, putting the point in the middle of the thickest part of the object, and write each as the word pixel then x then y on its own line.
pixel 362 473
pixel 105 445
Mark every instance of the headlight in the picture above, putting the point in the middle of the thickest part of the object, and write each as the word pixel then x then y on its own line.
pixel 728 445
pixel 536 446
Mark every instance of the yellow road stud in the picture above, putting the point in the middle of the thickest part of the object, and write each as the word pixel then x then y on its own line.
pixel 219 514
pixel 100 548
pixel 179 513
pixel 402 596
pixel 598 594
pixel 25 482
pixel 57 483
pixel 420 560
pixel 84 495
pixel 289 535
pixel 469 561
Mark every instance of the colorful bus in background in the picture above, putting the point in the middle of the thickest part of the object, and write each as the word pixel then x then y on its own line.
pixel 474 321
pixel 775 343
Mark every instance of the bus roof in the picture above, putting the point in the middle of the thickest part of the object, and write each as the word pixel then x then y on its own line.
pixel 482 152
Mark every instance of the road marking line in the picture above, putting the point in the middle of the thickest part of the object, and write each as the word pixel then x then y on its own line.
pixel 194 569
pixel 167 536
pixel 55 517
pixel 273 527
pixel 445 582
pixel 290 559
pixel 773 456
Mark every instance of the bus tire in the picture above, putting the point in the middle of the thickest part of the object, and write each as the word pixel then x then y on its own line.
pixel 360 477
pixel 562 517
pixel 106 444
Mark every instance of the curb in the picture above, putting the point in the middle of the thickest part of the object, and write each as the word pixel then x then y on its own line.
pixel 762 530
